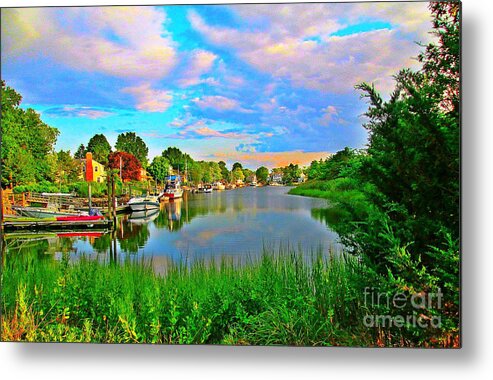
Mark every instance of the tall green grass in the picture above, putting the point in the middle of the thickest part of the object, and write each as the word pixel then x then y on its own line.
pixel 278 299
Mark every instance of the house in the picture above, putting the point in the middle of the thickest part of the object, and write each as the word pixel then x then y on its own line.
pixel 276 178
pixel 92 170
pixel 302 178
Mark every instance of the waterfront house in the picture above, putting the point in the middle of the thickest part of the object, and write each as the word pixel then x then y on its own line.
pixel 276 178
pixel 91 170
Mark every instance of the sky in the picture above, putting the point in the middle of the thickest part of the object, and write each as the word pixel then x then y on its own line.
pixel 265 84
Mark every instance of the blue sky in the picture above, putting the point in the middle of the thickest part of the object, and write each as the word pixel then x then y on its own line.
pixel 261 84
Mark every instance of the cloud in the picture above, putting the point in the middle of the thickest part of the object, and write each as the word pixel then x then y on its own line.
pixel 124 42
pixel 296 42
pixel 201 62
pixel 271 159
pixel 78 111
pixel 219 103
pixel 329 114
pixel 148 99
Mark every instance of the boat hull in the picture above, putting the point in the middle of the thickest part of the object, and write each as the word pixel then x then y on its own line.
pixel 144 206
pixel 40 213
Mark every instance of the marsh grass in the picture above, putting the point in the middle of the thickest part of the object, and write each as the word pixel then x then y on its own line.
pixel 281 298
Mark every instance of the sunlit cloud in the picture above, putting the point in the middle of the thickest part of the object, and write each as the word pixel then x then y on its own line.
pixel 110 40
pixel 219 103
pixel 148 99
pixel 201 62
pixel 78 111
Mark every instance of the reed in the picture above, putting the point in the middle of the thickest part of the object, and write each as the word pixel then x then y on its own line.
pixel 280 298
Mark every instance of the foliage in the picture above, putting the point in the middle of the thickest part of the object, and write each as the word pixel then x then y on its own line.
pixel 237 165
pixel 100 148
pixel 131 143
pixel 177 158
pixel 68 168
pixel 262 173
pixel 224 170
pixel 26 142
pixel 159 168
pixel 80 153
pixel 130 166
pixel 238 174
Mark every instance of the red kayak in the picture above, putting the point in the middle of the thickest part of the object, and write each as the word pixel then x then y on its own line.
pixel 81 218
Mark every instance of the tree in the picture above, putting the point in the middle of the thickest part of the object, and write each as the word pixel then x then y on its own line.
pixel 262 173
pixel 224 170
pixel 100 148
pixel 80 153
pixel 68 168
pixel 237 165
pixel 291 173
pixel 414 144
pixel 177 158
pixel 27 142
pixel 238 174
pixel 131 167
pixel 131 143
pixel 159 168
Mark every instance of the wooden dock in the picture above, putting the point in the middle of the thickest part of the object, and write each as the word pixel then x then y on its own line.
pixel 55 225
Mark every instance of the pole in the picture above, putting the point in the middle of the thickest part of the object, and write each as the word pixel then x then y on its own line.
pixel 89 195
pixel 113 201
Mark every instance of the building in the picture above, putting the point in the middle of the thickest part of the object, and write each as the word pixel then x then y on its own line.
pixel 276 178
pixel 92 170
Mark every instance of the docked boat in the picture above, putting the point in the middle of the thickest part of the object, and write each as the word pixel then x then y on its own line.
pixel 173 188
pixel 254 184
pixel 218 186
pixel 207 188
pixel 46 212
pixel 149 202
pixel 143 217
pixel 80 218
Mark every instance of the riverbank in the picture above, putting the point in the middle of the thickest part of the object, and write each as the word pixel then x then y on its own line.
pixel 278 299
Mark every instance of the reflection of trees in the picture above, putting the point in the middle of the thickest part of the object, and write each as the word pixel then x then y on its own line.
pixel 178 212
pixel 335 218
pixel 132 236
pixel 102 244
pixel 41 246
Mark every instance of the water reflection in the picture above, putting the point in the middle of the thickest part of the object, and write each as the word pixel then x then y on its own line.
pixel 233 223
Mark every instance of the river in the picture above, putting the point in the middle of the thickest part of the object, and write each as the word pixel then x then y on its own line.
pixel 238 223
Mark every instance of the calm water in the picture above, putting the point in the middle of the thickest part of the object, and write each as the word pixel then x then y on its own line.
pixel 235 223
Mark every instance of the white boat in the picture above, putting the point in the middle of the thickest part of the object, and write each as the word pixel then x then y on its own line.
pixel 254 184
pixel 207 188
pixel 143 217
pixel 173 188
pixel 149 202
pixel 218 186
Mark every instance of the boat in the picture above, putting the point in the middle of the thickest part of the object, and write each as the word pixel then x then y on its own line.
pixel 149 202
pixel 173 187
pixel 79 218
pixel 142 217
pixel 218 186
pixel 254 184
pixel 207 188
pixel 46 212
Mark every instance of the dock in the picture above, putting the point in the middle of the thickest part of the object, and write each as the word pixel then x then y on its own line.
pixel 55 225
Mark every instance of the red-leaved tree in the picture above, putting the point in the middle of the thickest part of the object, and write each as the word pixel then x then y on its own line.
pixel 130 165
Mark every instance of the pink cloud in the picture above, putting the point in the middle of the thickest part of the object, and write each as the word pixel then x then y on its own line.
pixel 201 63
pixel 148 99
pixel 219 103
pixel 77 38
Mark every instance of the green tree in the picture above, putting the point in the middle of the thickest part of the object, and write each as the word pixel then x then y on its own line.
pixel 238 174
pixel 414 139
pixel 80 153
pixel 262 173
pixel 159 168
pixel 224 170
pixel 68 168
pixel 237 165
pixel 131 143
pixel 100 148
pixel 26 142
pixel 177 158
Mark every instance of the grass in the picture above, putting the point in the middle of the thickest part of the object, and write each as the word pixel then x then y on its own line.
pixel 278 299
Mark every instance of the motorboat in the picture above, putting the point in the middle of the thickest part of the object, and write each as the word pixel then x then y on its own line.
pixel 173 188
pixel 149 202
